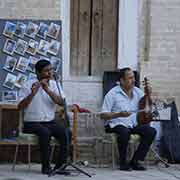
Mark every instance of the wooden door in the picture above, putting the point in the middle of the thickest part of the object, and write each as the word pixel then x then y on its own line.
pixel 93 36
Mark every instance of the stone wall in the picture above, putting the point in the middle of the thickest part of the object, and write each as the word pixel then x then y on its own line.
pixel 162 63
pixel 30 9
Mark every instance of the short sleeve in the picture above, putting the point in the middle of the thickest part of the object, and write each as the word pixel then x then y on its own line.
pixel 107 104
pixel 24 92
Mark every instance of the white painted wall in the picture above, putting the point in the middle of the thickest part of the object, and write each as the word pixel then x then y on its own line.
pixel 128 34
pixel 65 17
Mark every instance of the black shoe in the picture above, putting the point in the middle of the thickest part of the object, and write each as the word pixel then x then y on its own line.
pixel 137 166
pixel 46 170
pixel 125 167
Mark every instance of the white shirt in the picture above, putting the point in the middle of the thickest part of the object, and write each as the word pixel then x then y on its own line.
pixel 116 100
pixel 42 107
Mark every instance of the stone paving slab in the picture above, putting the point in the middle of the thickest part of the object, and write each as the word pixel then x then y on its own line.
pixel 153 173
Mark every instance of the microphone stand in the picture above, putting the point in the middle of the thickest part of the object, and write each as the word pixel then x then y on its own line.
pixel 62 170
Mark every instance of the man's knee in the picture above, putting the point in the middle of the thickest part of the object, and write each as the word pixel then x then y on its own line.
pixel 124 135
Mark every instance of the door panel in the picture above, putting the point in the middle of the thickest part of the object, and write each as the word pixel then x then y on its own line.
pixel 104 36
pixel 80 27
pixel 93 36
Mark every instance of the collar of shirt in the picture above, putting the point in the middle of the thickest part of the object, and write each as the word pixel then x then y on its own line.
pixel 120 90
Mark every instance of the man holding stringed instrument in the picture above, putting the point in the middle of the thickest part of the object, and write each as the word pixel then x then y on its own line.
pixel 120 109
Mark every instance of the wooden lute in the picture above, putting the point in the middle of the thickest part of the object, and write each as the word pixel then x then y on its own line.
pixel 145 115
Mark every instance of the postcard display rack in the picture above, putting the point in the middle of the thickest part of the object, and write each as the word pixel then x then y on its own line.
pixel 23 43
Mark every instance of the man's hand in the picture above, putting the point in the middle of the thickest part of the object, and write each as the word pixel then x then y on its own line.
pixel 124 114
pixel 111 115
pixel 27 100
pixel 35 87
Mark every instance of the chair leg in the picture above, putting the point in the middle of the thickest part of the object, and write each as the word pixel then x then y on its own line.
pixel 52 153
pixel 29 156
pixel 113 155
pixel 15 157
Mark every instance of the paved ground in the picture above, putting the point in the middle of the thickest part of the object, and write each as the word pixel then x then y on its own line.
pixel 153 173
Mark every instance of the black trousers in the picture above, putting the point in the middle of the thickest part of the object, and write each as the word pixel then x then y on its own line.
pixel 44 131
pixel 146 133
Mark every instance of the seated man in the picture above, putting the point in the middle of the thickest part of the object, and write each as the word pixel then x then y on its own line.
pixel 38 98
pixel 118 105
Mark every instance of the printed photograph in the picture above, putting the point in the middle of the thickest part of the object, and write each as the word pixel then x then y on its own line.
pixel 9 46
pixel 22 64
pixel 53 30
pixel 9 81
pixel 9 96
pixel 20 29
pixel 54 47
pixel 31 30
pixel 9 29
pixel 32 61
pixel 42 30
pixel 32 47
pixel 32 76
pixel 10 63
pixel 20 80
pixel 43 47
pixel 21 47
pixel 56 63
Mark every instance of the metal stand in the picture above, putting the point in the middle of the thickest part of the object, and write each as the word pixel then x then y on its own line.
pixel 62 170
pixel 72 153
pixel 159 158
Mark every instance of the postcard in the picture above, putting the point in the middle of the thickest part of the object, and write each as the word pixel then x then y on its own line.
pixel 22 64
pixel 10 63
pixel 20 29
pixel 20 80
pixel 9 29
pixel 43 47
pixel 54 47
pixel 9 96
pixel 42 30
pixel 21 47
pixel 53 30
pixel 32 47
pixel 9 46
pixel 31 30
pixel 9 81
pixel 56 63
pixel 32 61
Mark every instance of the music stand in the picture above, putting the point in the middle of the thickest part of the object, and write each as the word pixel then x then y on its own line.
pixel 161 114
pixel 75 109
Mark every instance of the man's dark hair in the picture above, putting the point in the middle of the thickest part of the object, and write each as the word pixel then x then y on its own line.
pixel 122 72
pixel 41 64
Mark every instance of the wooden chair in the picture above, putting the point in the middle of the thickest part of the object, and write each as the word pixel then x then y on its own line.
pixel 29 140
pixel 134 139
